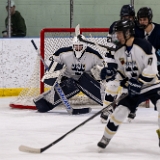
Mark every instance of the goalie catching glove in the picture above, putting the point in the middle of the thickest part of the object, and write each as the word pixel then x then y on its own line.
pixel 95 71
pixel 55 71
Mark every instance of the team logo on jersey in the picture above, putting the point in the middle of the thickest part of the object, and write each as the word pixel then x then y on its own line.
pixel 122 61
pixel 131 67
pixel 78 68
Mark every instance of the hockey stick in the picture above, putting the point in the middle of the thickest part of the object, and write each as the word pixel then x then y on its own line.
pixel 77 30
pixel 95 44
pixel 45 65
pixel 56 85
pixel 24 148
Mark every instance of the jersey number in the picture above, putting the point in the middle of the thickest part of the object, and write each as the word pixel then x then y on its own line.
pixel 150 60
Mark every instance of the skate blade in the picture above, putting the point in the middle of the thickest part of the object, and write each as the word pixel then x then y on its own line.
pixel 103 121
pixel 100 150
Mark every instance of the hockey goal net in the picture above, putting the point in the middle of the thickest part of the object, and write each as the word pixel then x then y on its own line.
pixel 51 39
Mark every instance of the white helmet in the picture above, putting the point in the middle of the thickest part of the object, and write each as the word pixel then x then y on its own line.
pixel 78 46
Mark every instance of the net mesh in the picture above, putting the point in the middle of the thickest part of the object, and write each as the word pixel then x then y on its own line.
pixel 51 40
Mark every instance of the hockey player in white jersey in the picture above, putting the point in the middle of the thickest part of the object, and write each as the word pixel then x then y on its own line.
pixel 126 12
pixel 79 61
pixel 137 76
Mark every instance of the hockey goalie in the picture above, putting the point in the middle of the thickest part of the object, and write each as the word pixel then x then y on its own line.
pixel 71 70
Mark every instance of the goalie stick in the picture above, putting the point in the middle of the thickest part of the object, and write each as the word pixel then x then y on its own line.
pixel 24 148
pixel 60 92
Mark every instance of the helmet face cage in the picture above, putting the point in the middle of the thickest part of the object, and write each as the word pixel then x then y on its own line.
pixel 78 47
pixel 127 10
pixel 145 12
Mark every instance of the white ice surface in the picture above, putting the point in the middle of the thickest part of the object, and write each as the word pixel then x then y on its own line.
pixel 134 141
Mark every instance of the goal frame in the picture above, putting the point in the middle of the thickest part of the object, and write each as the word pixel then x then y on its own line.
pixel 26 96
pixel 67 30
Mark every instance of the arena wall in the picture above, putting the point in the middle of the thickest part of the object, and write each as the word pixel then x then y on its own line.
pixel 40 14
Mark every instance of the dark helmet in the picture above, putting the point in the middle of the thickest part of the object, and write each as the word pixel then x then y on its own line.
pixel 145 12
pixel 125 26
pixel 127 10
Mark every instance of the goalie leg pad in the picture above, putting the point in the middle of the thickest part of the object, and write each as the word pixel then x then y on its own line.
pixel 43 105
pixel 49 100
pixel 90 87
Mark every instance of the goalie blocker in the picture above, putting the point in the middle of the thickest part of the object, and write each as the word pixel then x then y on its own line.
pixel 50 99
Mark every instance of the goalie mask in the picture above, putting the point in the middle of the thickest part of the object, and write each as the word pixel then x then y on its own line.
pixel 78 47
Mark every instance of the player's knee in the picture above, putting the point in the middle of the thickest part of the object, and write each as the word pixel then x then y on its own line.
pixel 120 113
pixel 43 106
pixel 112 88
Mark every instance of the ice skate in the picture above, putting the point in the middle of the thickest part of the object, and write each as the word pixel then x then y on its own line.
pixel 103 142
pixel 105 114
pixel 131 116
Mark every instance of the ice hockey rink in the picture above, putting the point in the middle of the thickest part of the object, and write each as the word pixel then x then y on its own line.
pixel 137 140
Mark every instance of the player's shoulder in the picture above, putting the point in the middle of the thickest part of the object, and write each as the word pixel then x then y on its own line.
pixel 156 28
pixel 144 45
pixel 91 50
pixel 63 50
pixel 156 25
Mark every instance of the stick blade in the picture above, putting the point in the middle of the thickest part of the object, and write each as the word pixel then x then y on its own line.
pixel 77 30
pixel 23 148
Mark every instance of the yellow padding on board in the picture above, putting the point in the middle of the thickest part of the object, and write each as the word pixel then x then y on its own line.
pixel 10 92
pixel 5 92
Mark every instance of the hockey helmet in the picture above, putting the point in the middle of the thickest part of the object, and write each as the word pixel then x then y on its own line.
pixel 145 12
pixel 127 10
pixel 126 26
pixel 78 47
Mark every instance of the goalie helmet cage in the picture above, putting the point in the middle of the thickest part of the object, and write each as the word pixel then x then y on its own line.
pixel 51 39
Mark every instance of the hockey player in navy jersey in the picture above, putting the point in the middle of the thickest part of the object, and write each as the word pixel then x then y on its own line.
pixel 127 12
pixel 77 63
pixel 149 30
pixel 137 76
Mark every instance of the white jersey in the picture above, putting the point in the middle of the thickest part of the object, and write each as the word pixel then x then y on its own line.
pixel 75 67
pixel 140 62
pixel 109 57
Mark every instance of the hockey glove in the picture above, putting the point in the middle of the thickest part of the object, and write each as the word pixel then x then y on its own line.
pixel 134 87
pixel 124 83
pixel 107 72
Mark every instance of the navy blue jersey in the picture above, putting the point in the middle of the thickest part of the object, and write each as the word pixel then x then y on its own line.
pixel 153 38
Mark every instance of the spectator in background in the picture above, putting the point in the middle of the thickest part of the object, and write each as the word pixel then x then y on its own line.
pixel 18 26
